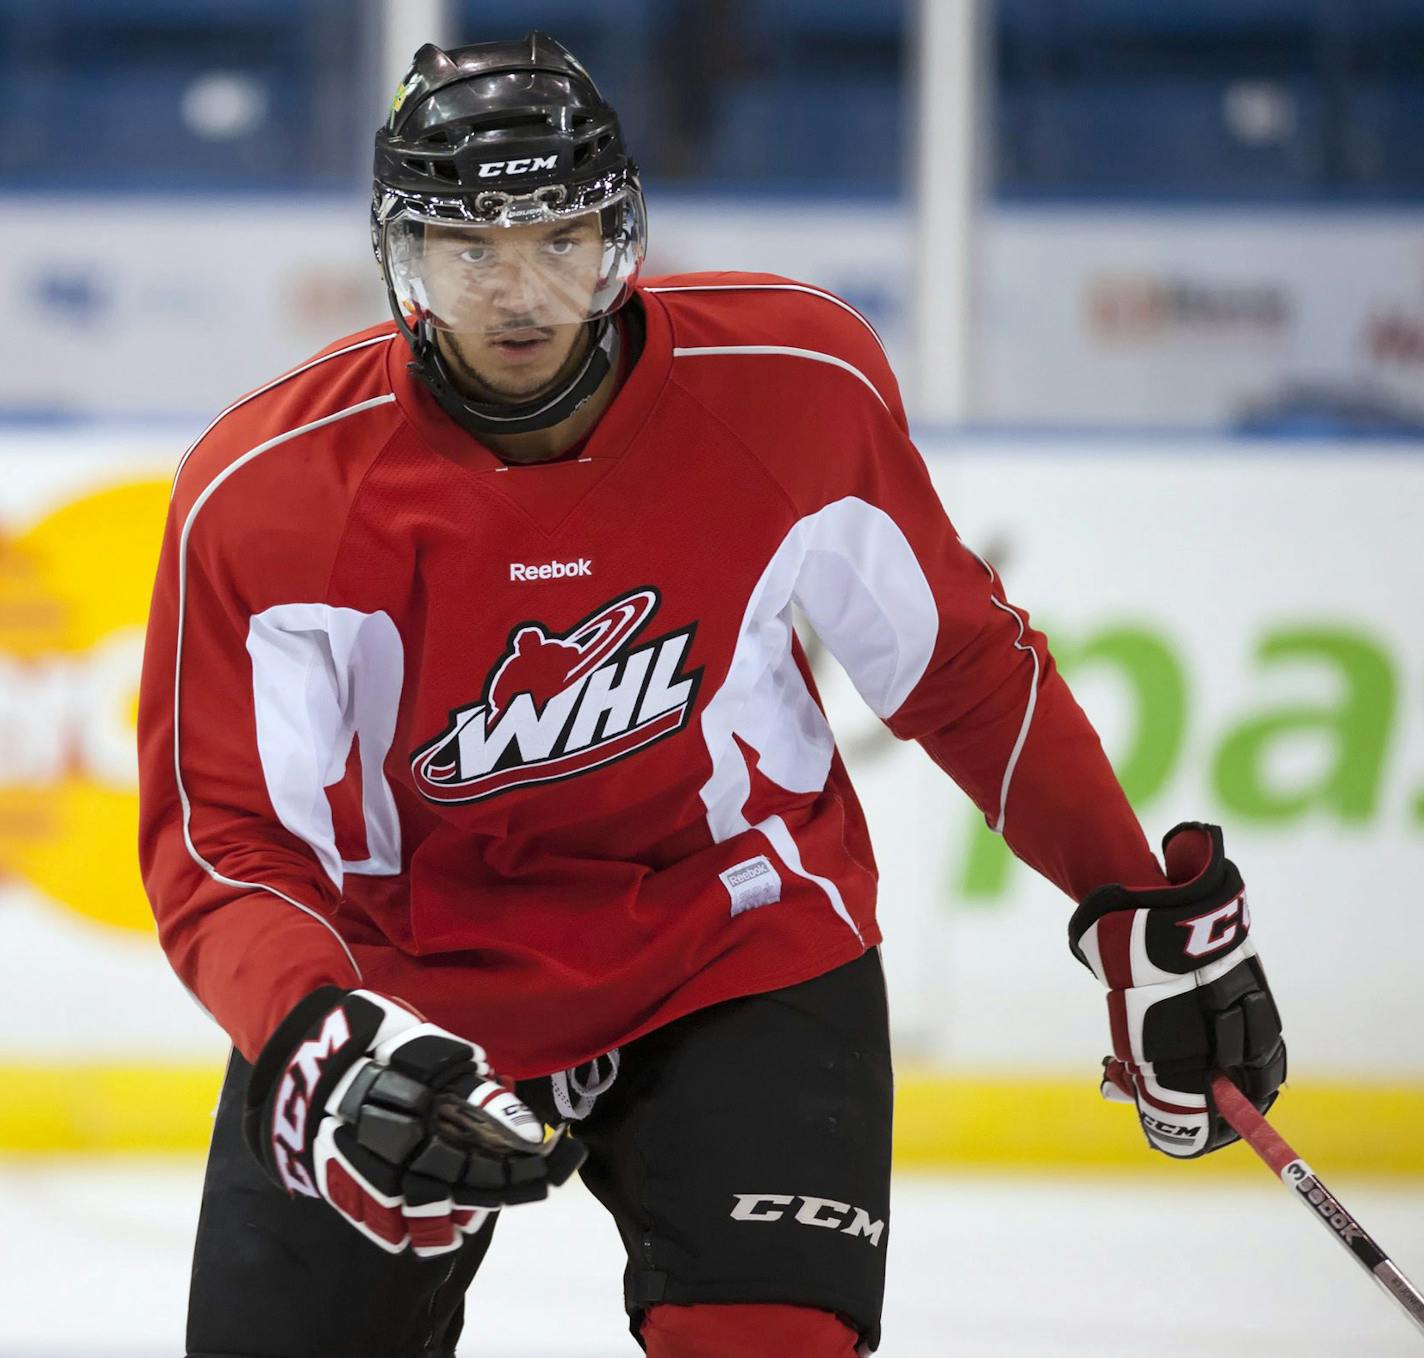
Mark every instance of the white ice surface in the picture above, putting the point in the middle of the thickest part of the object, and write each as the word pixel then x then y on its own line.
pixel 94 1262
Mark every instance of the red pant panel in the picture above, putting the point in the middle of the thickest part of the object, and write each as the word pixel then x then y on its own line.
pixel 746 1331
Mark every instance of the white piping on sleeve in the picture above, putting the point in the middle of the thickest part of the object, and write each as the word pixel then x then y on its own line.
pixel 275 382
pixel 1009 768
pixel 198 504
pixel 998 826
pixel 988 569
pixel 814 354
pixel 775 287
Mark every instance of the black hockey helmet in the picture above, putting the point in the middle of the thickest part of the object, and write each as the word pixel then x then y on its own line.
pixel 493 135
pixel 474 126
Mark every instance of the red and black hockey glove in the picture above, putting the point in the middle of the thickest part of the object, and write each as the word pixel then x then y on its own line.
pixel 1186 993
pixel 398 1124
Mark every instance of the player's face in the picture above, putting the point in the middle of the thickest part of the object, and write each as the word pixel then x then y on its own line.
pixel 513 299
pixel 521 362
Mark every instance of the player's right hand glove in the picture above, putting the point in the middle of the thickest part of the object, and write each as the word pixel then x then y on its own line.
pixel 1186 993
pixel 398 1124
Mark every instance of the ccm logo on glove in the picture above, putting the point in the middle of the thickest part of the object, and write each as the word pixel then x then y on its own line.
pixel 398 1124
pixel 1216 929
pixel 1187 995
pixel 289 1120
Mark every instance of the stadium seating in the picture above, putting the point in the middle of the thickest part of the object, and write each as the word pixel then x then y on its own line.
pixel 1219 100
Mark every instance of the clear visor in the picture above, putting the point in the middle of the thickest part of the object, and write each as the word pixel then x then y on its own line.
pixel 482 278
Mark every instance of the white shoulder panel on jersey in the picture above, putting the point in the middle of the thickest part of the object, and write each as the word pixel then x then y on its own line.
pixel 852 572
pixel 865 593
pixel 321 677
pixel 204 496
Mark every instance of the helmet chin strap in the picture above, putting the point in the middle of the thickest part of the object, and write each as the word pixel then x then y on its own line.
pixel 549 407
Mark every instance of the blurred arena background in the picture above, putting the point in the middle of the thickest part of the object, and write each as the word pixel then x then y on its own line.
pixel 1153 277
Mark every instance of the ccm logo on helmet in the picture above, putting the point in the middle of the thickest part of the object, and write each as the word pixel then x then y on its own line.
pixel 824 1212
pixel 492 169
pixel 289 1121
pixel 1217 928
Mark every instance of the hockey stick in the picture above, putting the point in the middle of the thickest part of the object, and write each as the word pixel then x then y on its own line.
pixel 1305 1185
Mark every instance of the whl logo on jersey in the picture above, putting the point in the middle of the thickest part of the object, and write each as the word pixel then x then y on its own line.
pixel 558 704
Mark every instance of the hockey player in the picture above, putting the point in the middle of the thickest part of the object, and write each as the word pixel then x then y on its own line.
pixel 475 738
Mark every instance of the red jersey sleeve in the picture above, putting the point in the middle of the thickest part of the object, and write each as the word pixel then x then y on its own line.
pixel 240 902
pixel 925 629
pixel 243 894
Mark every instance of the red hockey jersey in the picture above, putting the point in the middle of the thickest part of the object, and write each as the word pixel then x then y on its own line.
pixel 535 748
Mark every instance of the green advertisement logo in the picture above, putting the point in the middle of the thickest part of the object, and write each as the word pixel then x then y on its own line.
pixel 1350 736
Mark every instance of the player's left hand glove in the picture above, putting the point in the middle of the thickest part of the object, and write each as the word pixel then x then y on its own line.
pixel 1186 993
pixel 398 1124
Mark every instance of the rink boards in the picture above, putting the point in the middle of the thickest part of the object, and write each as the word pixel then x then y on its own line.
pixel 1238 618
